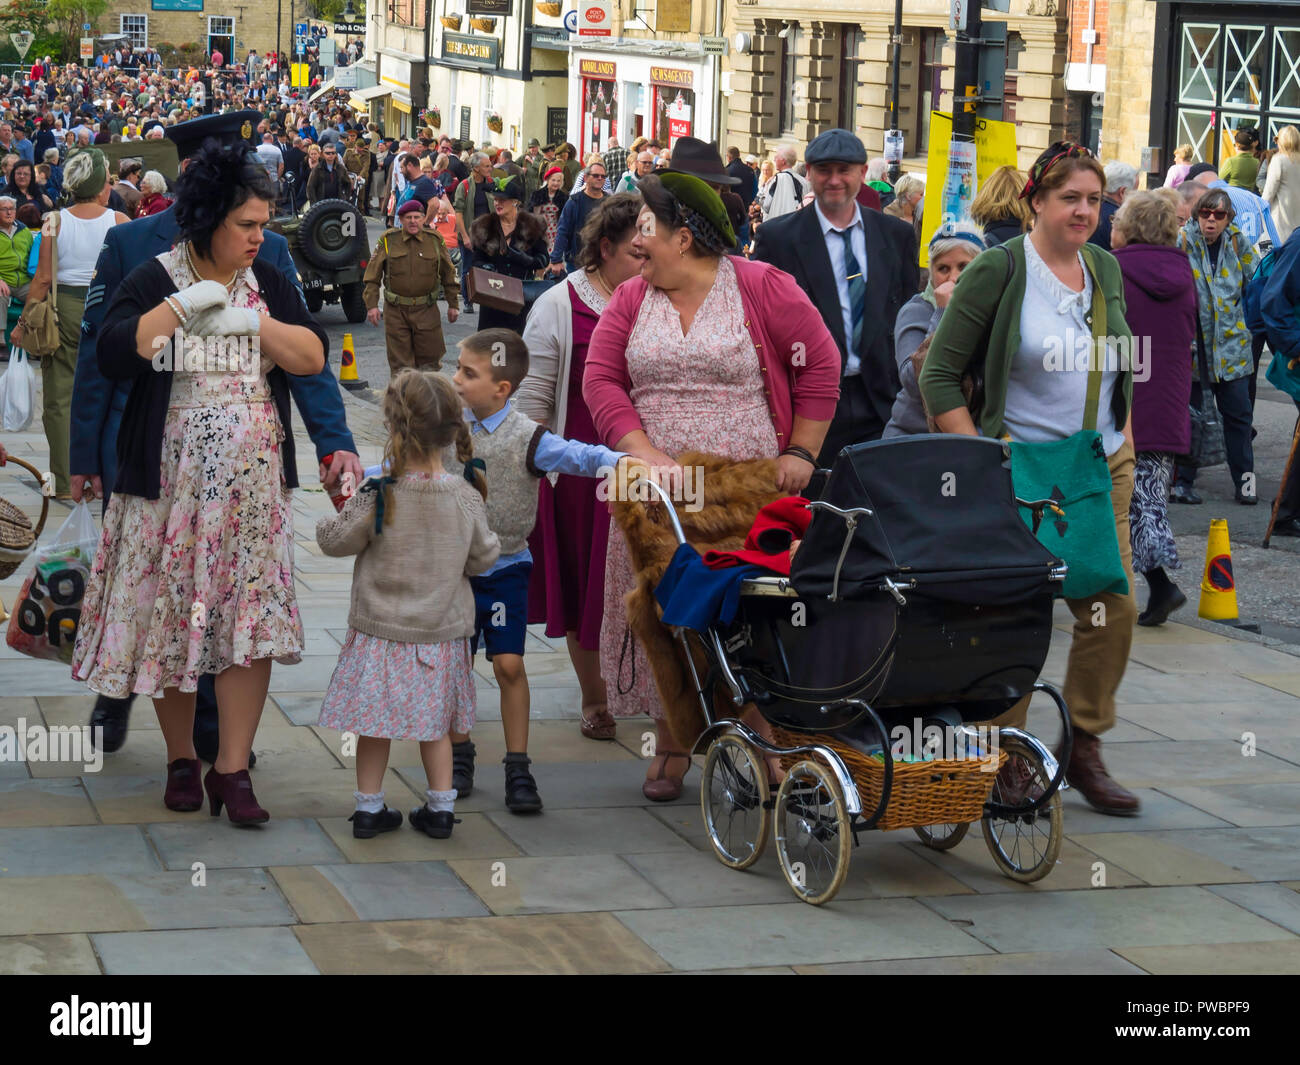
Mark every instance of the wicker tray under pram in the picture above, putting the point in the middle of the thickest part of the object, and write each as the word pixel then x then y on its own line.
pixel 17 534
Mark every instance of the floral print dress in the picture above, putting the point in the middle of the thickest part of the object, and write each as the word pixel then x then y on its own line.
pixel 699 392
pixel 201 578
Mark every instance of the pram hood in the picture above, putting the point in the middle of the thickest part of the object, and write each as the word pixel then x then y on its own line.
pixel 945 517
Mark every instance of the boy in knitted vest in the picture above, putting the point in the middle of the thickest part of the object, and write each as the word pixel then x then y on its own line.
pixel 516 453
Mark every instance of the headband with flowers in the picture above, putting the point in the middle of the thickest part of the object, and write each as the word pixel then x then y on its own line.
pixel 1058 151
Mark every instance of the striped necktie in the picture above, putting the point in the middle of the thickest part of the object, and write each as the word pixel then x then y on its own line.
pixel 857 288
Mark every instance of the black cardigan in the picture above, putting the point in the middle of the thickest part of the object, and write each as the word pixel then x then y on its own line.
pixel 139 440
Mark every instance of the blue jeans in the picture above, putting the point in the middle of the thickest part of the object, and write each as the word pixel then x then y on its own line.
pixel 1233 400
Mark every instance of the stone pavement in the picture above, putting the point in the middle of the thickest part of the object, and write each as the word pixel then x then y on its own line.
pixel 97 876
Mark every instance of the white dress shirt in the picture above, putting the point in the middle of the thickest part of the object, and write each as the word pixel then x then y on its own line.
pixel 835 248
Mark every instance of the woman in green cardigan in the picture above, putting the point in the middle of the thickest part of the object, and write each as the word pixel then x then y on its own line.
pixel 1026 307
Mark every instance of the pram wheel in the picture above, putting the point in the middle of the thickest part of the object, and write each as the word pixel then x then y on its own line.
pixel 942 837
pixel 733 800
pixel 812 832
pixel 1026 847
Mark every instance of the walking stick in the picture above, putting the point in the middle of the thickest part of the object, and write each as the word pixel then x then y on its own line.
pixel 1286 474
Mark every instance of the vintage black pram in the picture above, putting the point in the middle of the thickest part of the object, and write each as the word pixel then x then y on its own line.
pixel 918 597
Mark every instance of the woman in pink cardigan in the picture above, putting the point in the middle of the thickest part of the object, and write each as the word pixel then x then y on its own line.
pixel 702 352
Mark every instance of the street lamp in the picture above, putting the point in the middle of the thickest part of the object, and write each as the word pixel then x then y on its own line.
pixel 349 12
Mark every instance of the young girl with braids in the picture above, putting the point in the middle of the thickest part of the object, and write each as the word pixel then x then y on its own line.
pixel 419 533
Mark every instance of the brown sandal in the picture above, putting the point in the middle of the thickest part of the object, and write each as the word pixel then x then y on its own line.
pixel 661 787
pixel 600 727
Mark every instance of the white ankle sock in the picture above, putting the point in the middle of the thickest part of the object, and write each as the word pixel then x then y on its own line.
pixel 370 804
pixel 441 801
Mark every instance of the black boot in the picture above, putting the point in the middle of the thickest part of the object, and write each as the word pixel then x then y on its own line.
pixel 1165 598
pixel 462 768
pixel 521 788
pixel 111 715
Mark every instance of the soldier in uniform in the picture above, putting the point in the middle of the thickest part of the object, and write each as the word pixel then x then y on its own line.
pixel 410 263
pixel 356 160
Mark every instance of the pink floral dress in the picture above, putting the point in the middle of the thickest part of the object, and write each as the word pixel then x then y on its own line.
pixel 200 579
pixel 401 691
pixel 699 392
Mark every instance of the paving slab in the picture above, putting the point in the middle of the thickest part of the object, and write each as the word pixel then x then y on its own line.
pixel 1156 860
pixel 1156 765
pixel 1142 684
pixel 1040 963
pixel 971 863
pixel 560 885
pixel 1263 853
pixel 1105 917
pixel 556 833
pixel 387 891
pixel 218 951
pixel 1235 656
pixel 62 955
pixel 542 944
pixel 1221 959
pixel 1159 811
pixel 1273 902
pixel 28 803
pixel 794 933
pixel 220 845
pixel 1287 681
pixel 75 849
pixel 1244 803
pixel 1215 721
pixel 474 837
pixel 611 784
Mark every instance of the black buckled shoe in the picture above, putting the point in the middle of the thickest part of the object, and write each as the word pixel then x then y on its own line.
pixel 521 788
pixel 436 824
pixel 1181 493
pixel 366 825
pixel 462 768
pixel 112 716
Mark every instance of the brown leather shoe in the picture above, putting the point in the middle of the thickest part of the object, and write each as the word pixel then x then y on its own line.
pixel 1086 772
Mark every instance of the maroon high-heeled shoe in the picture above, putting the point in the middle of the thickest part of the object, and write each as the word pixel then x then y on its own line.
pixel 184 785
pixel 235 792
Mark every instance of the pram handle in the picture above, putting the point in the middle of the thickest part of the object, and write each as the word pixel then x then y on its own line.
pixel 678 531
pixel 851 517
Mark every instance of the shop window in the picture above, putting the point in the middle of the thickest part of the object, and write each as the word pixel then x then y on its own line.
pixel 1198 77
pixel 137 28
pixel 928 85
pixel 850 76
pixel 1286 70
pixel 789 94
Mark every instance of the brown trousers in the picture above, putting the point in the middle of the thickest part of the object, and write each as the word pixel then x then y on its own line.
pixel 414 337
pixel 1103 628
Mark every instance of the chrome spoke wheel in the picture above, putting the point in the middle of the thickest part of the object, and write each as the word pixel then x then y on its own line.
pixel 813 837
pixel 1025 847
pixel 942 837
pixel 733 800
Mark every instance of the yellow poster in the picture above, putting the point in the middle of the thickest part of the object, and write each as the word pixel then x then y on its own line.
pixel 299 75
pixel 995 146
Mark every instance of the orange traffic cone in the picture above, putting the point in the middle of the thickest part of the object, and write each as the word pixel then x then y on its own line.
pixel 348 368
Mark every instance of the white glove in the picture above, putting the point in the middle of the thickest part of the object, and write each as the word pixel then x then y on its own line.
pixel 225 322
pixel 201 296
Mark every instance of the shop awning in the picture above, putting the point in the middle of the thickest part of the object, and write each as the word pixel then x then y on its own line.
pixel 360 98
pixel 325 86
pixel 402 103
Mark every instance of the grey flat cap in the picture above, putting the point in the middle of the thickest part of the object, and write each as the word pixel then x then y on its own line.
pixel 835 146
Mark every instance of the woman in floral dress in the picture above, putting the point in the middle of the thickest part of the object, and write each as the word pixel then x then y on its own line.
pixel 703 352
pixel 194 572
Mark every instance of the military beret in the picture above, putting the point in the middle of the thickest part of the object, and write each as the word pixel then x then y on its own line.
pixel 409 206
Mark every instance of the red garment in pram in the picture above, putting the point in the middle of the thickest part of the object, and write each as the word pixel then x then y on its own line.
pixel 775 530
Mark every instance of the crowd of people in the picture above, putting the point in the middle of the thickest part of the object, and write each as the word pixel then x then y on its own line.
pixel 671 300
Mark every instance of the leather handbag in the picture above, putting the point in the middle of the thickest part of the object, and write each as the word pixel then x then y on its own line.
pixel 41 319
pixel 498 291
pixel 1207 444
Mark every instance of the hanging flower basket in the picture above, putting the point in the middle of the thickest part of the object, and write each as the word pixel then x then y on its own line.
pixel 550 8
pixel 432 117
pixel 487 25
pixel 494 122
pixel 451 22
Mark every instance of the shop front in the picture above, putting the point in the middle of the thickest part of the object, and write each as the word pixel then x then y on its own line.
pixel 621 93
pixel 404 81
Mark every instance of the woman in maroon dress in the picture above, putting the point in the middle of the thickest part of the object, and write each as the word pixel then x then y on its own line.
pixel 568 543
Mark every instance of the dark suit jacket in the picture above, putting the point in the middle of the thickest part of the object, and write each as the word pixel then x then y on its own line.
pixel 748 187
pixel 97 403
pixel 795 244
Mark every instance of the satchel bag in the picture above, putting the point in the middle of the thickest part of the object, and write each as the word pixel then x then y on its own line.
pixel 1074 472
pixel 41 319
pixel 1207 444
pixel 498 291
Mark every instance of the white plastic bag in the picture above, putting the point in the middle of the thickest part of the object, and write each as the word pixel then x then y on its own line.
pixel 48 612
pixel 17 392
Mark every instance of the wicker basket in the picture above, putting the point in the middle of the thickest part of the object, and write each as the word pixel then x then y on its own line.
pixel 484 24
pixel 550 8
pixel 451 22
pixel 923 793
pixel 17 536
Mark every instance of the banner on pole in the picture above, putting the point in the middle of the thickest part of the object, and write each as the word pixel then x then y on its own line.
pixel 994 146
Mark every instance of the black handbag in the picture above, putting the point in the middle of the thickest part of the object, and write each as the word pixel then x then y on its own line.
pixel 1207 446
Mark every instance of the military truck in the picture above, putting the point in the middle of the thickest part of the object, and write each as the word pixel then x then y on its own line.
pixel 328 243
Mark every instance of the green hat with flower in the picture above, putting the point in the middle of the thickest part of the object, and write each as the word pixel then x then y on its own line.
pixel 700 202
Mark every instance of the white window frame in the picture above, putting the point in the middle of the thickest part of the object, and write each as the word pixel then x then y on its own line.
pixel 223 18
pixel 121 28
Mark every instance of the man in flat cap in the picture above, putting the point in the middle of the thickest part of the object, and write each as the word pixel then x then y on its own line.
pixel 409 265
pixel 97 403
pixel 859 268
